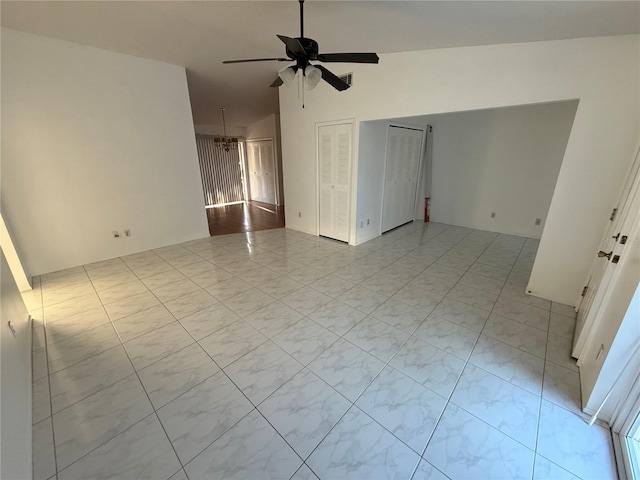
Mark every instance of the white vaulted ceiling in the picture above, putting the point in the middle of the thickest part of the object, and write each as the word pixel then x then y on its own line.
pixel 200 34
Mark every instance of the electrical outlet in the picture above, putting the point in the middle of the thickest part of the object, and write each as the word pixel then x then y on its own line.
pixel 116 234
pixel 299 214
pixel 538 221
pixel 127 233
pixel 493 214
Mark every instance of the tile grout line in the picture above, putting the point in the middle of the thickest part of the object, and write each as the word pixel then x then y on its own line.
pixel 134 372
pixel 46 355
pixel 448 399
pixel 230 380
pixel 353 403
pixel 467 362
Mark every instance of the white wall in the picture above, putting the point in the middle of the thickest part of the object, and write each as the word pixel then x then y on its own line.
pixel 219 131
pixel 94 141
pixel 265 128
pixel 15 386
pixel 502 160
pixel 370 176
pixel 602 73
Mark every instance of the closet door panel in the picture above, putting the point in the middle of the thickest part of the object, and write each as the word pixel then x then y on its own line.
pixel 335 144
pixel 342 181
pixel 414 142
pixel 325 178
pixel 390 181
pixel 268 172
pixel 401 176
pixel 253 164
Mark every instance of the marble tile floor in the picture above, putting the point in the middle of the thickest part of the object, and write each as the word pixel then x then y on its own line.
pixel 277 354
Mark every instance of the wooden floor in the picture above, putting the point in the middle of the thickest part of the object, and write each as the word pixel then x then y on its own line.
pixel 244 217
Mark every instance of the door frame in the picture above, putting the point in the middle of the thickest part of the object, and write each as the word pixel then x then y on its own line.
pixel 625 418
pixel 352 123
pixel 420 165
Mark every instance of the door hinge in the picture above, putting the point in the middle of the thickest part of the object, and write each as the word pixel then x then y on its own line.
pixel 623 239
pixel 613 214
pixel 615 259
pixel 584 291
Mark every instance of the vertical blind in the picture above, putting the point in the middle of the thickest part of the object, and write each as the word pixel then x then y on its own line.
pixel 220 170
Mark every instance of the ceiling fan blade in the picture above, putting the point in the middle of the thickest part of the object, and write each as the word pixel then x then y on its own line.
pixel 294 46
pixel 258 60
pixel 332 79
pixel 349 57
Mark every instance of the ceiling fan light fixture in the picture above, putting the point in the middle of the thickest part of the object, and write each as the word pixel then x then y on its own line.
pixel 313 76
pixel 287 75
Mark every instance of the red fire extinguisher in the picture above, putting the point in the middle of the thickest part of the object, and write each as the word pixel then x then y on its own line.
pixel 426 208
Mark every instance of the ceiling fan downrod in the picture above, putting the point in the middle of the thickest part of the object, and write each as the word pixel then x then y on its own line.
pixel 301 18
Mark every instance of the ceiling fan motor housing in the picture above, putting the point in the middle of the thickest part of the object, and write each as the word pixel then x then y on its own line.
pixel 310 49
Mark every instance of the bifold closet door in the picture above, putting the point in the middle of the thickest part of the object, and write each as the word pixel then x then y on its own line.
pixel 402 164
pixel 267 164
pixel 253 164
pixel 261 166
pixel 334 179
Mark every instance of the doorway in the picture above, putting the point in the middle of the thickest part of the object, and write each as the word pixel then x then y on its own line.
pixel 235 201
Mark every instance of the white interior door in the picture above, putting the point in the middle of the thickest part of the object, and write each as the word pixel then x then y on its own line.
pixel 253 164
pixel 410 172
pixel 613 341
pixel 267 165
pixel 600 273
pixel 262 171
pixel 390 201
pixel 335 145
pixel 342 181
pixel 404 153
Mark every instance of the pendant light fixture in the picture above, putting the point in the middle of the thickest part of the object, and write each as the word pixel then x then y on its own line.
pixel 226 144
